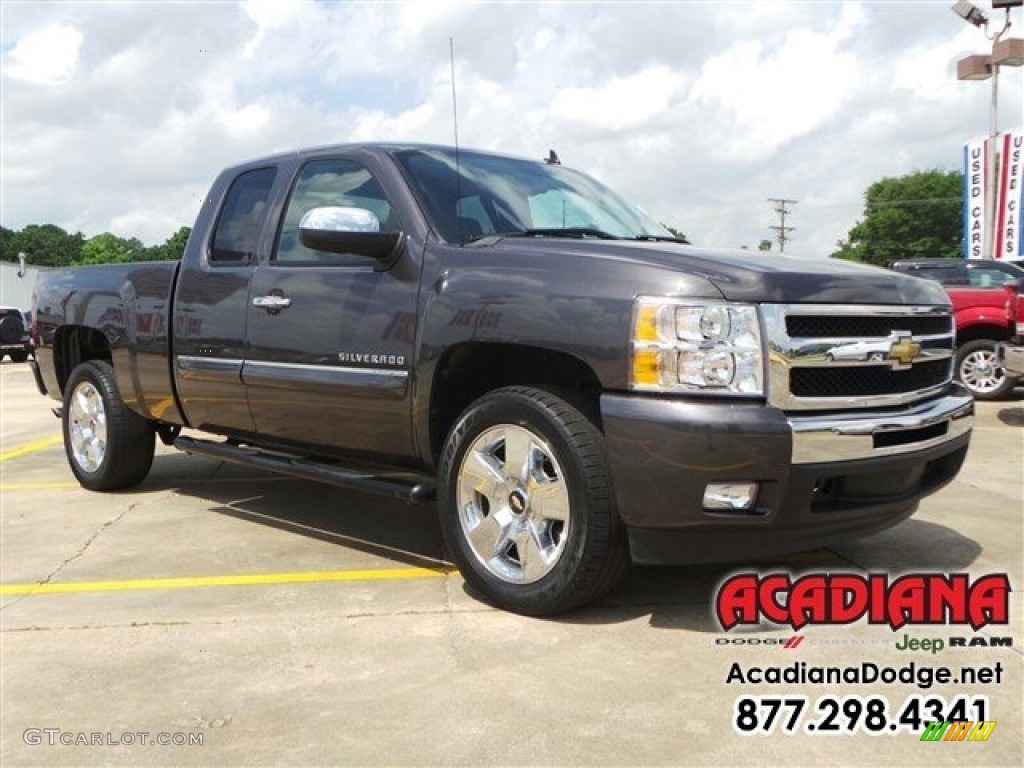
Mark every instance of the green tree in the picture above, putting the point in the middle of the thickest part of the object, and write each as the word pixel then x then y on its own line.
pixel 915 216
pixel 171 249
pixel 6 241
pixel 47 245
pixel 764 246
pixel 108 248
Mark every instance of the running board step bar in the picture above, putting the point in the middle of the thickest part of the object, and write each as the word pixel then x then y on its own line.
pixel 409 488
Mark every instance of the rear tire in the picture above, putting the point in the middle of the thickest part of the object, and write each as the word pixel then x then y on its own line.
pixel 978 369
pixel 526 504
pixel 109 446
pixel 19 357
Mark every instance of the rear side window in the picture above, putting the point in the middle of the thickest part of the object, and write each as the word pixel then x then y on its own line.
pixel 242 217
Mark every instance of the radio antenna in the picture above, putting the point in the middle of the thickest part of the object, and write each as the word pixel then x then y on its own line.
pixel 455 123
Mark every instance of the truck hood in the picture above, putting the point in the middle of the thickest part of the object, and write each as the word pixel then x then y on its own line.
pixel 742 275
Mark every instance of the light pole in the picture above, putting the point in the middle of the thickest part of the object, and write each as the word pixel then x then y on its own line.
pixel 1008 52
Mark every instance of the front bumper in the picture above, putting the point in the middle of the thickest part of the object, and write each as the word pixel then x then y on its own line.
pixel 1011 358
pixel 821 478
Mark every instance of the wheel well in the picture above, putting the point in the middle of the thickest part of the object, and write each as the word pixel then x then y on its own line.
pixel 468 371
pixel 988 332
pixel 73 345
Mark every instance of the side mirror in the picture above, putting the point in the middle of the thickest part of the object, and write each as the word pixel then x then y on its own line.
pixel 349 230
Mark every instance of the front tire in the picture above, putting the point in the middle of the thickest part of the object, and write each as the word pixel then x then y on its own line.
pixel 978 369
pixel 19 357
pixel 526 505
pixel 109 446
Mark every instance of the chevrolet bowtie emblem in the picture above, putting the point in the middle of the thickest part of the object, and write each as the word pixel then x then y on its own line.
pixel 903 350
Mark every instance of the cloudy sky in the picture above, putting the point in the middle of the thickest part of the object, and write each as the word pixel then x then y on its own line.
pixel 116 115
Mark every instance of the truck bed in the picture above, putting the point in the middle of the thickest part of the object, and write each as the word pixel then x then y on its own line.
pixel 129 304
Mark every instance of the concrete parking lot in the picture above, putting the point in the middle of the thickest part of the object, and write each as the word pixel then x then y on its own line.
pixel 282 622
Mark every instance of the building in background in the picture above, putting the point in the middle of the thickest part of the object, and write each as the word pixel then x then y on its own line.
pixel 16 285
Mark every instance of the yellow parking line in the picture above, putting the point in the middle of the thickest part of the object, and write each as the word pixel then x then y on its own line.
pixel 43 486
pixel 36 486
pixel 35 445
pixel 245 579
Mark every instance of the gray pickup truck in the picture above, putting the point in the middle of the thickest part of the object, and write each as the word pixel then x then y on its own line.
pixel 576 388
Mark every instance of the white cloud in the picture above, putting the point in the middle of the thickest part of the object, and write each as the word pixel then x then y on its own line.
pixel 698 111
pixel 270 14
pixel 45 57
pixel 770 96
pixel 145 224
pixel 246 120
pixel 929 72
pixel 621 103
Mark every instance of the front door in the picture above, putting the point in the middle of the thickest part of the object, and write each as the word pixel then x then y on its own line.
pixel 330 341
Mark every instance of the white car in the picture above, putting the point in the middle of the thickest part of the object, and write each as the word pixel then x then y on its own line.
pixel 861 350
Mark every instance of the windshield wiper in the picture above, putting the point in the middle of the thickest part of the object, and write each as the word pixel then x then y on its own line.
pixel 575 232
pixel 662 239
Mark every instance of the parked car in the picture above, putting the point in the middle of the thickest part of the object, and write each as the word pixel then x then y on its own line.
pixel 860 350
pixel 14 337
pixel 1011 353
pixel 979 308
pixel 977 273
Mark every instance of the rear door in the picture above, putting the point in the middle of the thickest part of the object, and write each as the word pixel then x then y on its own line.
pixel 210 310
pixel 330 340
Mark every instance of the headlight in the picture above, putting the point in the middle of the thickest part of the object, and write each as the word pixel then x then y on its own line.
pixel 696 346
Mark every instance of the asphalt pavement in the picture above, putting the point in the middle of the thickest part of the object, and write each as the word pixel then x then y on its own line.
pixel 251 619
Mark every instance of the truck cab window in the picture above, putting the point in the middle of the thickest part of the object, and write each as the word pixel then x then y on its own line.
pixel 333 182
pixel 242 217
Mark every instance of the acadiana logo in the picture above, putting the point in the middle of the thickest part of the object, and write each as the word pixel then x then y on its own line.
pixel 843 598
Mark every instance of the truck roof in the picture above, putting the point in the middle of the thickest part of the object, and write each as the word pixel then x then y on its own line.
pixel 380 147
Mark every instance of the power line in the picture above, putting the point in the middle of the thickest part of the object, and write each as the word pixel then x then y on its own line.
pixel 783 231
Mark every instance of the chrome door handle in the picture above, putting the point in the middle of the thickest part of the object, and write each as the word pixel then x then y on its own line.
pixel 272 303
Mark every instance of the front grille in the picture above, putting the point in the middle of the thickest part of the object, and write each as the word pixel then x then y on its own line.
pixel 866 380
pixel 830 326
pixel 824 357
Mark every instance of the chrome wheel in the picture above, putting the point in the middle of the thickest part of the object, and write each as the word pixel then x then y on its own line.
pixel 87 427
pixel 513 504
pixel 980 371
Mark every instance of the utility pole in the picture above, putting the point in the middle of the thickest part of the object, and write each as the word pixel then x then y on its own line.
pixel 781 228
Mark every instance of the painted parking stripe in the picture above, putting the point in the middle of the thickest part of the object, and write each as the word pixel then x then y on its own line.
pixel 180 483
pixel 37 486
pixel 244 579
pixel 35 445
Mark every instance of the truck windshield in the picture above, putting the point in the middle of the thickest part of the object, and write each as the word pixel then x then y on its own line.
pixel 484 195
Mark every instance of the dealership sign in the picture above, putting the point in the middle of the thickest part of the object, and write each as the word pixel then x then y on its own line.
pixel 1009 244
pixel 1009 189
